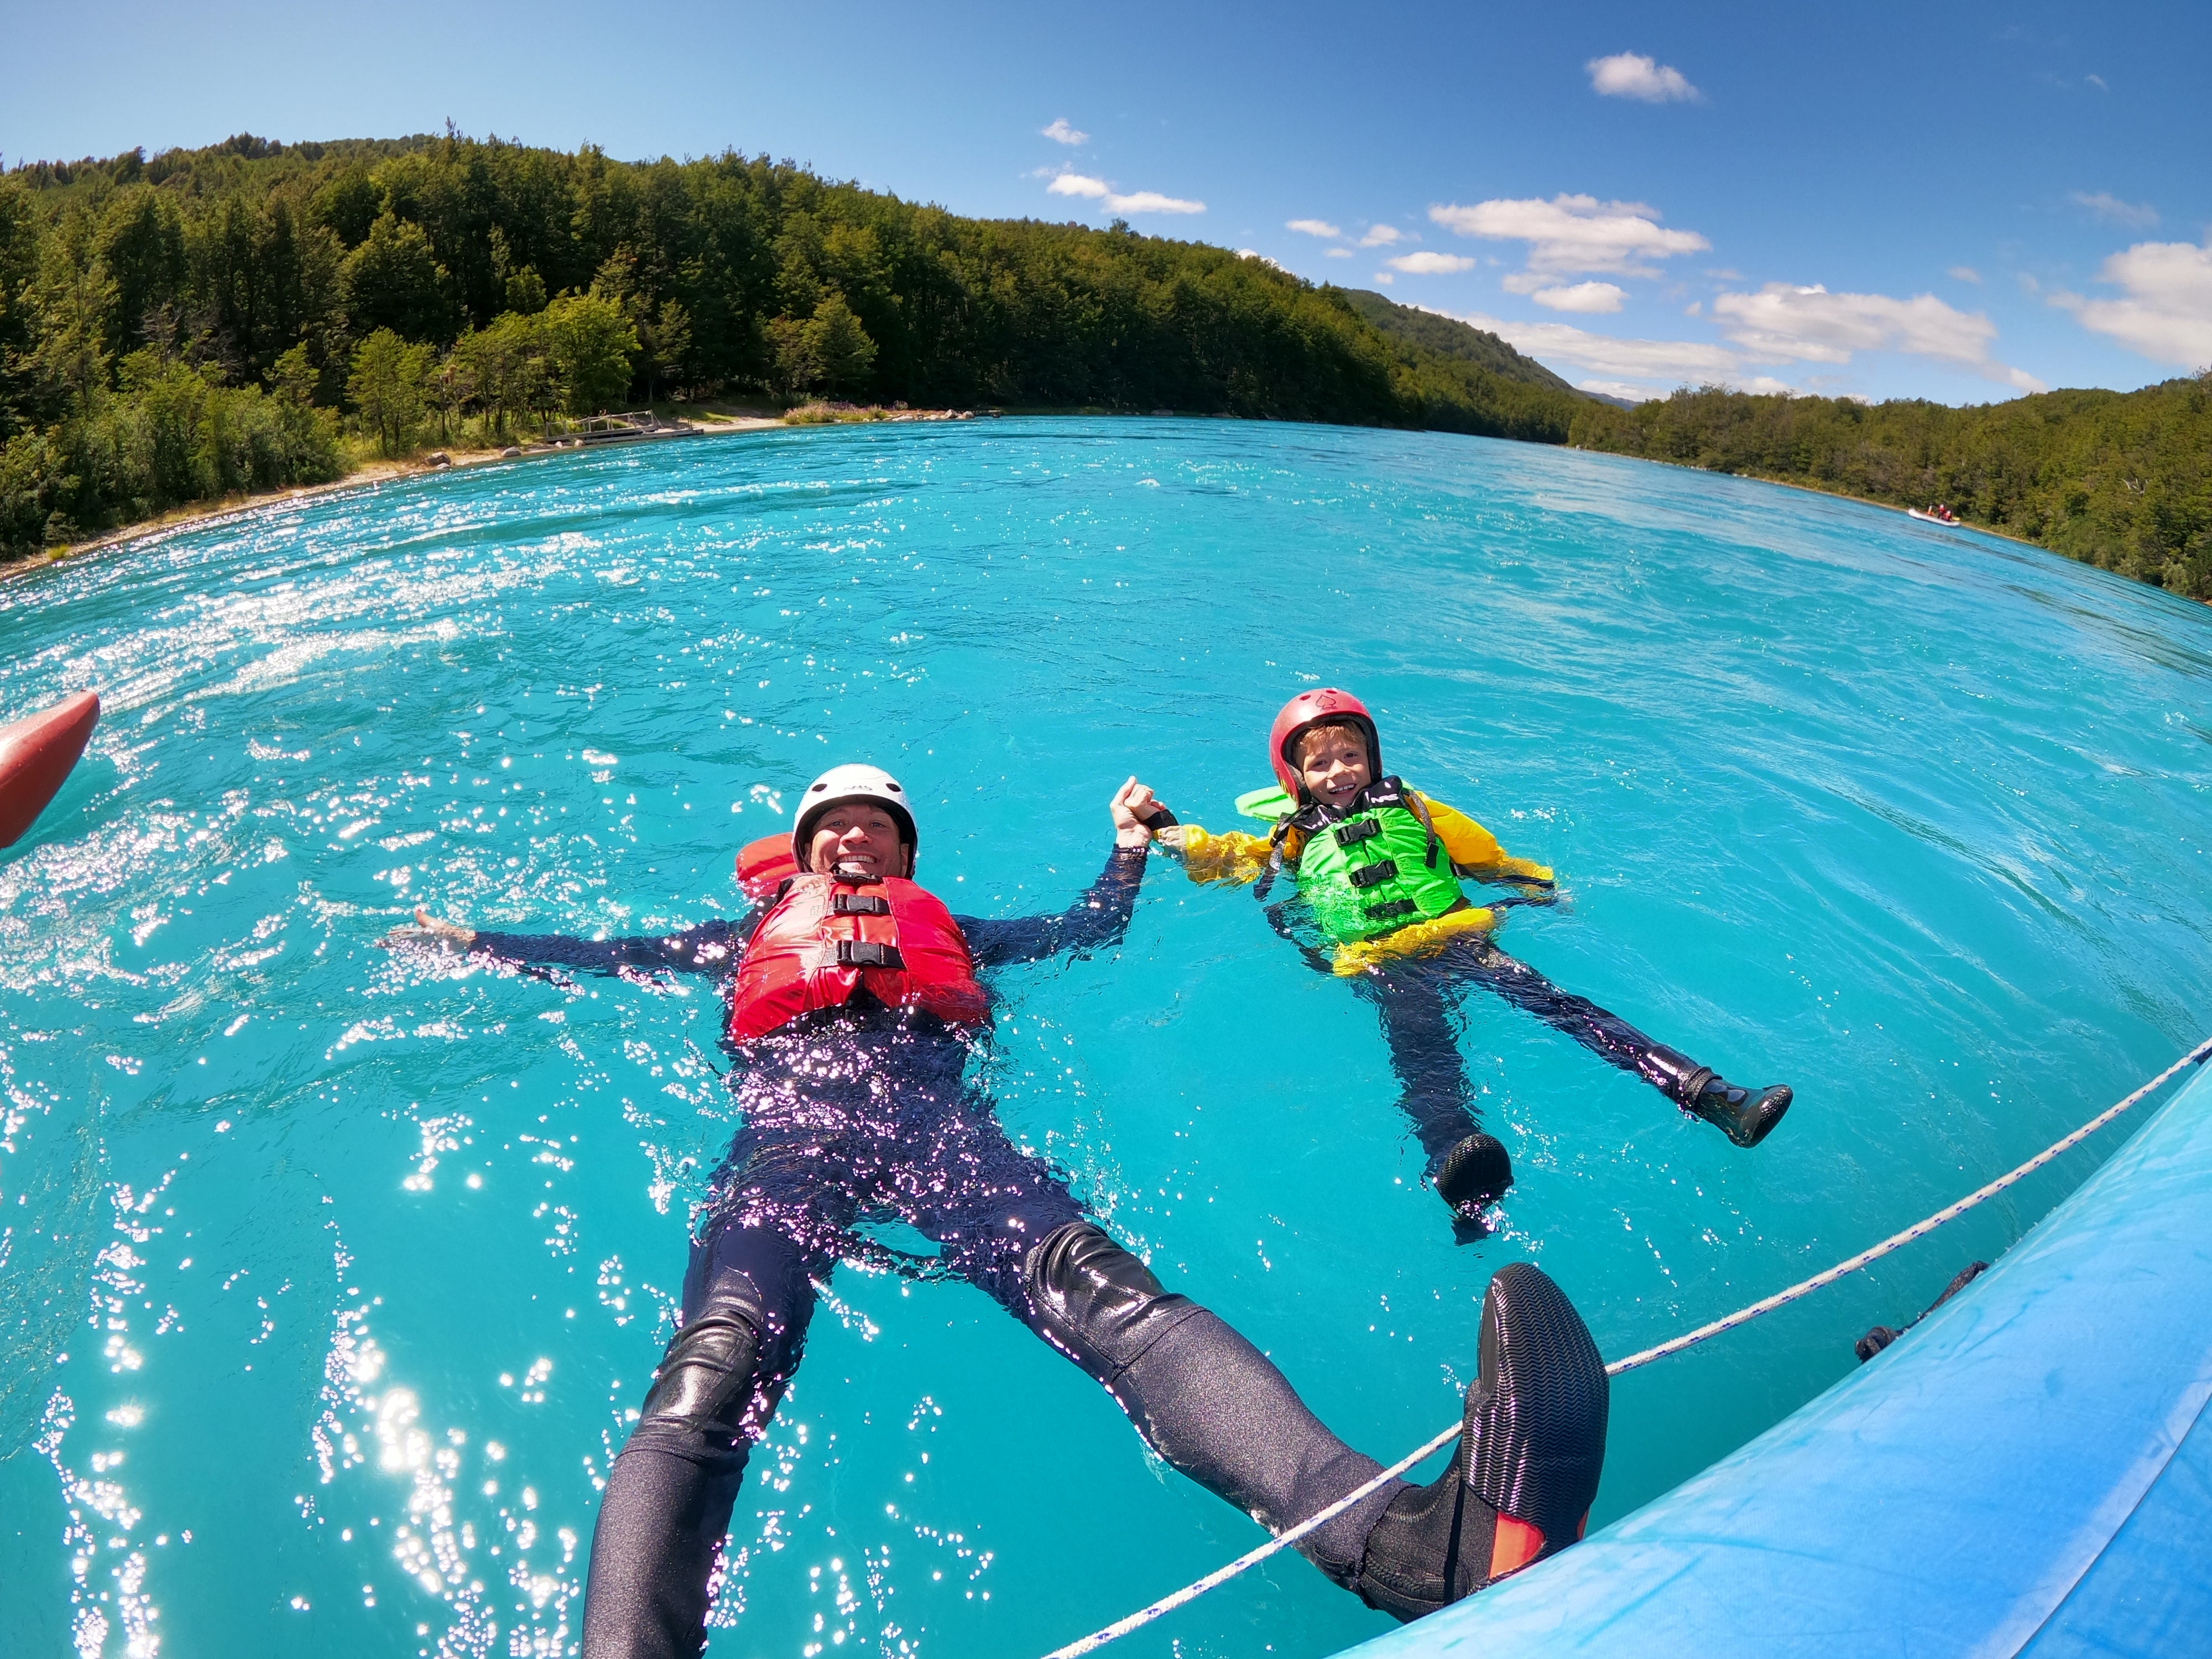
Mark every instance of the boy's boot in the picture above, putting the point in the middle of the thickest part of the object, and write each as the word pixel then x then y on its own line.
pixel 1526 1470
pixel 1473 1175
pixel 1746 1116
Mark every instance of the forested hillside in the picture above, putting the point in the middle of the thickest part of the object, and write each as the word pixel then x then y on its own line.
pixel 202 322
pixel 1448 337
pixel 2120 480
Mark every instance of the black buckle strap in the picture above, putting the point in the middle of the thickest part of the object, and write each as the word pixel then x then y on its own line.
pixel 1375 874
pixel 1390 907
pixel 866 953
pixel 859 904
pixel 1350 835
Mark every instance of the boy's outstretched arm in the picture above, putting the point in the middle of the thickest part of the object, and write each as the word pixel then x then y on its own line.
pixel 1231 856
pixel 1475 852
pixel 1100 917
pixel 712 947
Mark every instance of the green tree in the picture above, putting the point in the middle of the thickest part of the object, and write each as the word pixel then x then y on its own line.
pixel 593 346
pixel 388 388
pixel 28 467
pixel 842 352
pixel 76 297
pixel 525 292
pixel 141 247
pixel 665 342
pixel 504 369
pixel 393 281
pixel 163 407
pixel 292 378
pixel 19 311
pixel 791 355
pixel 349 205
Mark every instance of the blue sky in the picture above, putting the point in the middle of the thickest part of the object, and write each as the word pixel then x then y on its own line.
pixel 1954 202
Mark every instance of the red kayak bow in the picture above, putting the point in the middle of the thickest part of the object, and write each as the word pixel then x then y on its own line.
pixel 36 754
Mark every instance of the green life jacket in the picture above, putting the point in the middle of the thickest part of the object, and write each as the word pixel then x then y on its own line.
pixel 1368 870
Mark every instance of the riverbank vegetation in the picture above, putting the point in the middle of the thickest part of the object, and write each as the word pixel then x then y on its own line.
pixel 256 314
pixel 2119 480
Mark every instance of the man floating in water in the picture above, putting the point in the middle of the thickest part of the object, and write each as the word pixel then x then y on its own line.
pixel 1378 867
pixel 854 1010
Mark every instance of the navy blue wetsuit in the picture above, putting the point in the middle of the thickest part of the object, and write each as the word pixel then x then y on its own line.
pixel 865 1111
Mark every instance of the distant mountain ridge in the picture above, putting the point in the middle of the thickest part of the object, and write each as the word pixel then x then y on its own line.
pixel 1448 337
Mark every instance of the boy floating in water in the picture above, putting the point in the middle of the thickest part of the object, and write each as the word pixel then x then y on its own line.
pixel 1378 868
pixel 855 1007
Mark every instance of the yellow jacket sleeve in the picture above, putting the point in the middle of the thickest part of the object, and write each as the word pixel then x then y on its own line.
pixel 1475 852
pixel 1231 856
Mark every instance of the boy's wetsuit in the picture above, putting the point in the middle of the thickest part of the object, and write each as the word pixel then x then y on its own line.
pixel 1412 970
pixel 864 1110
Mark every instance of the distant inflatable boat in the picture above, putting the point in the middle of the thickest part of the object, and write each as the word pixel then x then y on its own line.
pixel 1932 518
pixel 2029 1473
pixel 36 756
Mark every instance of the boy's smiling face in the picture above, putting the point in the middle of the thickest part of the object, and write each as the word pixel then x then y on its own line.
pixel 1332 763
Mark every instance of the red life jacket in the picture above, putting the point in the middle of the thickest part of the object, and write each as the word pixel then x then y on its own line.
pixel 823 939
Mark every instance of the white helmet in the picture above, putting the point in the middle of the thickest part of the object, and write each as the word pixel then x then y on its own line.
pixel 852 782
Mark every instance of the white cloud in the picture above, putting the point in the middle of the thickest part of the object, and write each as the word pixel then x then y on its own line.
pixel 1779 324
pixel 1672 363
pixel 1965 273
pixel 1632 75
pixel 1590 297
pixel 1430 265
pixel 1097 189
pixel 1151 201
pixel 1060 133
pixel 1383 279
pixel 1628 389
pixel 2098 81
pixel 1575 234
pixel 1340 253
pixel 1381 236
pixel 1319 228
pixel 1255 253
pixel 2110 210
pixel 2167 314
pixel 1782 323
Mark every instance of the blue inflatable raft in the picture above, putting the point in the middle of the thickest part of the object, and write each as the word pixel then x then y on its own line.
pixel 2028 1472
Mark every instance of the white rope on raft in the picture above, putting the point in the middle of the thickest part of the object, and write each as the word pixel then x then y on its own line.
pixel 1804 1287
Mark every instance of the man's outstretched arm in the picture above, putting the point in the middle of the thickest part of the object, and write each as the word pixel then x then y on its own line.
pixel 712 947
pixel 1100 917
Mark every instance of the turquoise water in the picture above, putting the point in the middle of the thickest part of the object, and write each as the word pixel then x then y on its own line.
pixel 328 1277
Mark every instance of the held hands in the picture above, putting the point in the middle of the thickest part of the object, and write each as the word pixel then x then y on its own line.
pixel 1134 807
pixel 430 933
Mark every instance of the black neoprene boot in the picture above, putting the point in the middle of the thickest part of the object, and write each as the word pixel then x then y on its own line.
pixel 1526 1471
pixel 1473 1174
pixel 1746 1116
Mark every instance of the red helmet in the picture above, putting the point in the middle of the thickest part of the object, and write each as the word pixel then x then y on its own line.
pixel 1305 710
